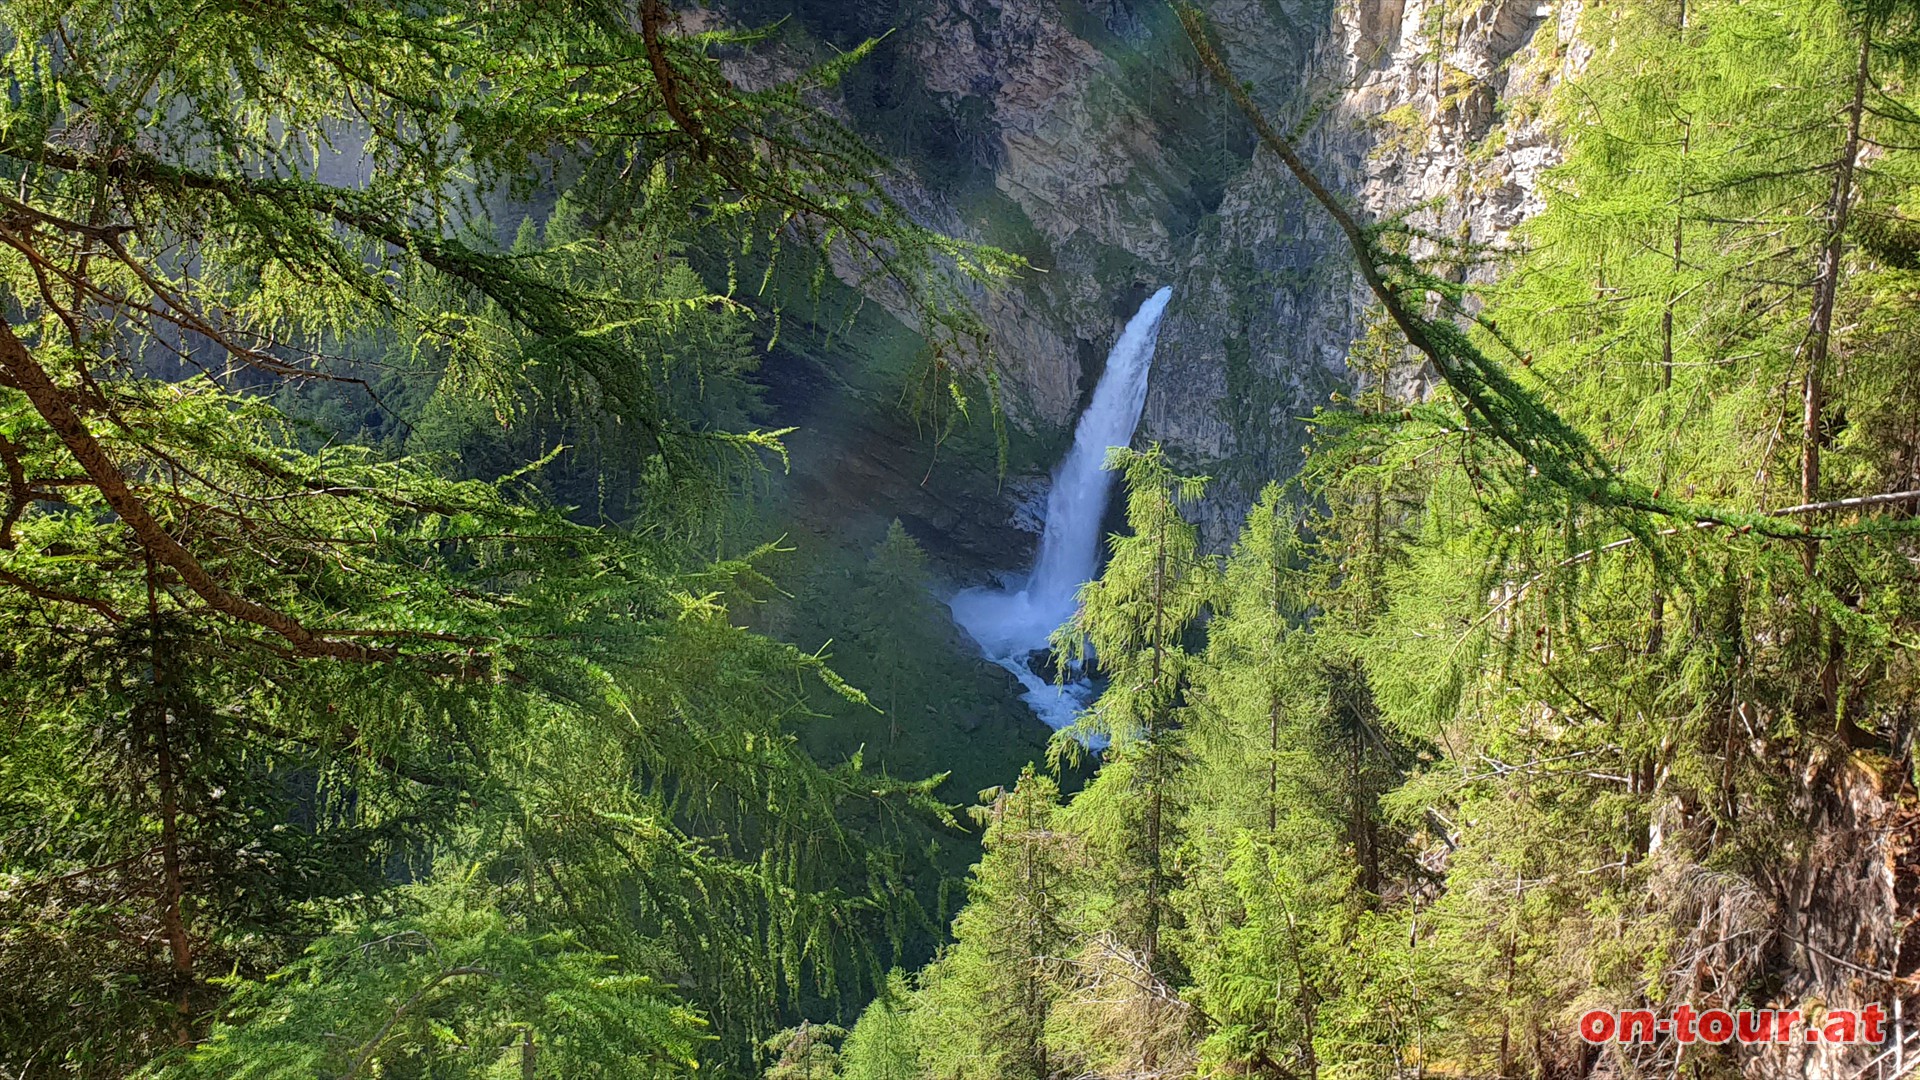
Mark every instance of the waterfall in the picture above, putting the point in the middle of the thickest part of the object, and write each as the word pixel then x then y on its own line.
pixel 1010 625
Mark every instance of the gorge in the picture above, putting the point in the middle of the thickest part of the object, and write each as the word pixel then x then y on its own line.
pixel 513 517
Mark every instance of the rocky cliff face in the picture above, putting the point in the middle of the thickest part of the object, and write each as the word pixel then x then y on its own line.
pixel 1081 134
pixel 1419 102
pixel 1087 162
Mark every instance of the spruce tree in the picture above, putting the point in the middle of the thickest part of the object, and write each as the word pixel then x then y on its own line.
pixel 1133 621
pixel 1268 883
pixel 983 1005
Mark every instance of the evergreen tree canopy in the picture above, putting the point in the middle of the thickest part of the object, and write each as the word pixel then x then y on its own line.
pixel 258 673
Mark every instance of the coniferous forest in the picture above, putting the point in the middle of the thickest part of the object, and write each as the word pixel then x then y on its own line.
pixel 483 484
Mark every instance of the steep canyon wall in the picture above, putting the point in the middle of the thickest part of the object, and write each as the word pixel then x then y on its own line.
pixel 1081 134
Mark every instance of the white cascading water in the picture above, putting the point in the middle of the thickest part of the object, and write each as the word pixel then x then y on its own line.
pixel 1011 625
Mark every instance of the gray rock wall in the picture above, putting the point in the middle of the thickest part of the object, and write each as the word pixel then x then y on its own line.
pixel 1090 141
pixel 1104 155
pixel 1416 101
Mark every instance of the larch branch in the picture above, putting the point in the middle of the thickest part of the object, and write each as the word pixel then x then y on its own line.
pixel 51 403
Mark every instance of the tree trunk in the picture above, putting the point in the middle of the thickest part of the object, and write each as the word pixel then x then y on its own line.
pixel 1273 763
pixel 1657 613
pixel 158 725
pixel 1826 288
pixel 172 886
pixel 1154 750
